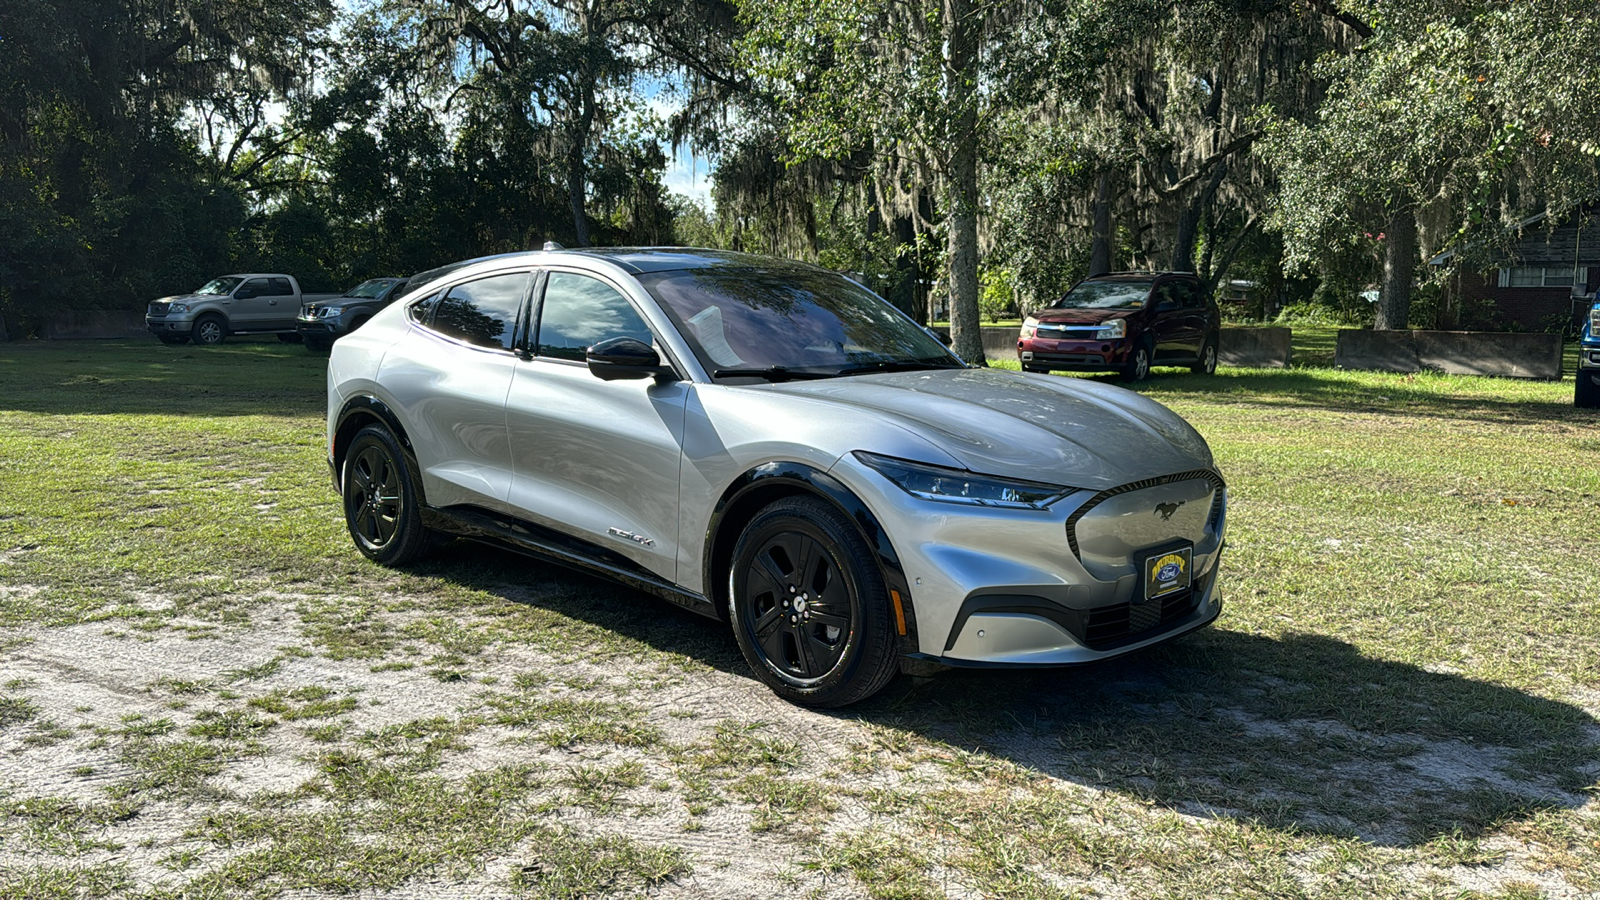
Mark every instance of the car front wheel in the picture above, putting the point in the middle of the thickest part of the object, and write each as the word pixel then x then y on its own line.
pixel 1138 367
pixel 210 330
pixel 382 506
pixel 809 607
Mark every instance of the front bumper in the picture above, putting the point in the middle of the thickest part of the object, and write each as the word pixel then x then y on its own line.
pixel 1058 586
pixel 1589 355
pixel 169 325
pixel 314 328
pixel 1086 356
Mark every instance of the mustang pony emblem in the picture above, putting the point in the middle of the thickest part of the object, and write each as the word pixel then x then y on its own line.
pixel 1165 510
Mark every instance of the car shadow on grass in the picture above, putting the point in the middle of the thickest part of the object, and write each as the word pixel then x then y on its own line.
pixel 1300 732
pixel 1327 390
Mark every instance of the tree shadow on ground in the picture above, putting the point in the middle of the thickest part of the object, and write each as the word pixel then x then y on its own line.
pixel 1301 732
pixel 1324 390
pixel 250 376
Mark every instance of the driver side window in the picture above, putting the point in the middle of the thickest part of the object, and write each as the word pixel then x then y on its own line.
pixel 579 311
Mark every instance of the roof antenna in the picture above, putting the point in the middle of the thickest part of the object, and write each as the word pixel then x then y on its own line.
pixel 553 245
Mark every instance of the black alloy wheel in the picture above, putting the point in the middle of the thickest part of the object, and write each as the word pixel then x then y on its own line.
pixel 209 330
pixel 809 606
pixel 1207 363
pixel 382 506
pixel 1138 367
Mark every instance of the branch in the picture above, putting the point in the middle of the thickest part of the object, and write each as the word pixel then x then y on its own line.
pixel 1332 11
pixel 1234 246
pixel 1234 146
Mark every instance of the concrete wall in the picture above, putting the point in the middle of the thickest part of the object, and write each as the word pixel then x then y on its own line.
pixel 1254 348
pixel 1451 352
pixel 96 324
pixel 999 341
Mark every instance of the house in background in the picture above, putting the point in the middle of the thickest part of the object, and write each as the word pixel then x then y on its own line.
pixel 1536 286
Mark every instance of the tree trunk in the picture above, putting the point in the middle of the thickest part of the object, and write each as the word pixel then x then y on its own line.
pixel 1194 212
pixel 1100 244
pixel 961 79
pixel 1399 265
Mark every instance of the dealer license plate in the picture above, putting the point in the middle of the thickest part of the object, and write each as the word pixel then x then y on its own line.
pixel 1168 572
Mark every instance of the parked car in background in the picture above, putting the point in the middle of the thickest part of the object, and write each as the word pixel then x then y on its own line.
pixel 322 322
pixel 771 444
pixel 255 303
pixel 1125 322
pixel 1586 394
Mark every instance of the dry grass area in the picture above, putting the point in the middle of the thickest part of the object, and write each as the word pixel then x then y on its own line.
pixel 205 692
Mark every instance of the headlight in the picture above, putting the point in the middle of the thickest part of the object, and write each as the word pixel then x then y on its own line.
pixel 178 308
pixel 1110 331
pixel 959 486
pixel 329 312
pixel 1030 327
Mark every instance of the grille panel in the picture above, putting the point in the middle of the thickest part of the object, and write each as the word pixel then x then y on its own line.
pixel 1085 509
pixel 1122 623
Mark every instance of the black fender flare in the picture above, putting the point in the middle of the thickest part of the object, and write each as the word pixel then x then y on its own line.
pixel 356 411
pixel 761 485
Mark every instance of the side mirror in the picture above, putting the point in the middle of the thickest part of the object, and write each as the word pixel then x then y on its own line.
pixel 942 337
pixel 621 358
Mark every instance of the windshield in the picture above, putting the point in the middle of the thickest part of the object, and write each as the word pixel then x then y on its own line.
pixel 223 285
pixel 369 290
pixel 791 323
pixel 1105 295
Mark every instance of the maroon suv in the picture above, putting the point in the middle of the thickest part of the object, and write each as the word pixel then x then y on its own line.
pixel 1125 322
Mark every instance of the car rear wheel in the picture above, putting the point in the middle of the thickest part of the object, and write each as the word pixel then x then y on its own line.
pixel 809 607
pixel 1207 363
pixel 209 330
pixel 382 506
pixel 1586 394
pixel 1138 367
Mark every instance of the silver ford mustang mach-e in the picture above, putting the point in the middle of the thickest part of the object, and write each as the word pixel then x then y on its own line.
pixel 772 444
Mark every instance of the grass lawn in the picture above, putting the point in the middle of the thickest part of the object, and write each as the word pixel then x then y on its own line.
pixel 206 692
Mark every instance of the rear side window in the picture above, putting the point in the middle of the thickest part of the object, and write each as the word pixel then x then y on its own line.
pixel 279 288
pixel 483 312
pixel 579 312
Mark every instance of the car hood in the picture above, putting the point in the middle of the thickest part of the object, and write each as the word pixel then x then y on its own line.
pixel 1080 316
pixel 185 297
pixel 1037 427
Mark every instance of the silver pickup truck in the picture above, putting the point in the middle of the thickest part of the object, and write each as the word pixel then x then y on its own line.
pixel 253 303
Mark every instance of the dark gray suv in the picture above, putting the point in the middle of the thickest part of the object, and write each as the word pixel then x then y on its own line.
pixel 323 322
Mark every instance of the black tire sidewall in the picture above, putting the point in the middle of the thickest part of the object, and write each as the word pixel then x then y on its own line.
pixel 869 661
pixel 1585 393
pixel 411 539
pixel 200 323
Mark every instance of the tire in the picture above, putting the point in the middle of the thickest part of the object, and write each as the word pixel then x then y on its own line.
pixel 809 607
pixel 209 330
pixel 358 323
pixel 173 340
pixel 382 505
pixel 1586 393
pixel 1207 363
pixel 1138 367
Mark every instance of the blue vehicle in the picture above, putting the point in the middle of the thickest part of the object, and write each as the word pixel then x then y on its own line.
pixel 1587 394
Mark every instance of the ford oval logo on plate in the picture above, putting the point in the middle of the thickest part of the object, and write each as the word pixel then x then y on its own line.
pixel 1168 572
